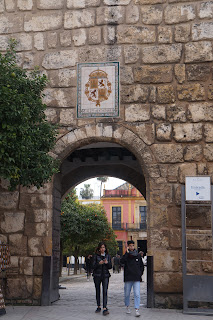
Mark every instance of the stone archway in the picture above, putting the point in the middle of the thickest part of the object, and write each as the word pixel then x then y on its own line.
pixel 87 135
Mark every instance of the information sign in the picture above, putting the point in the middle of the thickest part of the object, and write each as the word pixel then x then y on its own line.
pixel 198 188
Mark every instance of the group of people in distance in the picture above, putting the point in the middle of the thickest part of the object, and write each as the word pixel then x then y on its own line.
pixel 133 265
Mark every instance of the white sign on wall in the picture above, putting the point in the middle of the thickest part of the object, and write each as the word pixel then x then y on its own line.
pixel 198 188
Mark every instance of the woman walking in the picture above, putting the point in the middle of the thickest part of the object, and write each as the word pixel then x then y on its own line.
pixel 101 265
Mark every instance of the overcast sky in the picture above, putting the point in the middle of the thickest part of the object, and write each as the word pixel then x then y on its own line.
pixel 112 183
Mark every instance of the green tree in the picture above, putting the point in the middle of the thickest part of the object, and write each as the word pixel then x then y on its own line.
pixel 82 227
pixel 102 179
pixel 86 192
pixel 25 135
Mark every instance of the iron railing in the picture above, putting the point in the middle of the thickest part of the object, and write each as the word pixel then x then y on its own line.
pixel 129 226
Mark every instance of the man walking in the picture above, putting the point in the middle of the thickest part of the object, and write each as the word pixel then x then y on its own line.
pixel 133 270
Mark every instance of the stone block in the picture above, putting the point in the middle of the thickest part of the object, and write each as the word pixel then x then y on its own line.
pixel 38 266
pixel 110 15
pixel 50 4
pixel 179 13
pixel 137 112
pixel 79 37
pixel 63 78
pixel 67 117
pixel 26 266
pixel 109 35
pixel 208 152
pixel 191 92
pixel 208 132
pixel 136 93
pixel 117 2
pixel 166 260
pixel 60 97
pixel 165 94
pixel 159 238
pixel 198 72
pixel 199 242
pixel 146 132
pixel 2 6
pixel 193 152
pixel 202 31
pixel 153 74
pixel 168 153
pixel 198 51
pixel 79 19
pixel 114 53
pixel 20 288
pixel 149 1
pixel 61 59
pixel 180 72
pixel 25 5
pixel 152 94
pixel 3 239
pixel 9 200
pixel 182 33
pixel 174 217
pixel 188 132
pixel 43 22
pixel 152 14
pixel 80 4
pixel 126 75
pixel 39 42
pixel 14 261
pixel 13 222
pixel 35 246
pixel 168 282
pixel 94 35
pixel 65 38
pixel 51 115
pixel 37 288
pixel 11 26
pixel 18 245
pixel 159 112
pixel 187 169
pixel 131 54
pixel 162 54
pixel 92 54
pixel 3 42
pixel 200 112
pixel 133 34
pixel 10 5
pixel 132 14
pixel 165 34
pixel 164 132
pixel 206 10
pixel 29 60
pixel 52 40
pixel 210 92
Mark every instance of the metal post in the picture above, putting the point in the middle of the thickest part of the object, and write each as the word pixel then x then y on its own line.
pixel 150 282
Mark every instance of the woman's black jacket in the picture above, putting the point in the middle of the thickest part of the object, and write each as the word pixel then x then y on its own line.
pixel 133 267
pixel 101 270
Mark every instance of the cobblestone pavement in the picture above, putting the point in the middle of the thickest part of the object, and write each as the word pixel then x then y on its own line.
pixel 78 303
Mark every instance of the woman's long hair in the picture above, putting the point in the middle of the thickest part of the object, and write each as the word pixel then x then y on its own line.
pixel 97 251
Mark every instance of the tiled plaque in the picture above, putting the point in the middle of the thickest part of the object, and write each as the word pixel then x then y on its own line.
pixel 98 90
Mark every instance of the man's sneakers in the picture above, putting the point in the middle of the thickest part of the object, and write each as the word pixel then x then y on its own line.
pixel 98 310
pixel 105 312
pixel 128 311
pixel 137 313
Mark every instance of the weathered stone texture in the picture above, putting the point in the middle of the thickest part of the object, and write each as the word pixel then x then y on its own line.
pixel 159 112
pixel 65 38
pixel 9 200
pixel 193 152
pixel 153 74
pixel 208 152
pixel 26 266
pixel 162 54
pixel 43 22
pixel 18 244
pixel 188 132
pixel 94 35
pixel 13 222
pixel 110 15
pixel 25 5
pixel 198 51
pixel 10 26
pixel 39 42
pixel 136 93
pixel 177 14
pixel 166 94
pixel 79 37
pixel 202 31
pixel 79 19
pixel 166 261
pixel 132 34
pixel 131 54
pixel 137 112
pixel 168 153
pixel 10 5
pixel 182 33
pixel 163 132
pixel 50 4
pixel 199 72
pixel 132 14
pixel 200 112
pixel 176 113
pixel 152 14
pixel 191 92
pixel 59 60
pixel 206 10
pixel 164 34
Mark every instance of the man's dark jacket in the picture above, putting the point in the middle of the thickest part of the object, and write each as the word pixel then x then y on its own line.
pixel 133 266
pixel 101 270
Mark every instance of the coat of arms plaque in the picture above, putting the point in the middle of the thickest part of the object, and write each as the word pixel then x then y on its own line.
pixel 98 90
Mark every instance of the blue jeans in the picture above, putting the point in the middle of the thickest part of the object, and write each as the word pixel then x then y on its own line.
pixel 127 289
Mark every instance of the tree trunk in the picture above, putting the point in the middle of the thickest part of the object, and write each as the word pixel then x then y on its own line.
pixel 76 254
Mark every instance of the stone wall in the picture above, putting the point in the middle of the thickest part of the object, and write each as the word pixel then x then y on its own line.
pixel 166 113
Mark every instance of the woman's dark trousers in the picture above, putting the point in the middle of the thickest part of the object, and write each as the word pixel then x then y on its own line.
pixel 105 283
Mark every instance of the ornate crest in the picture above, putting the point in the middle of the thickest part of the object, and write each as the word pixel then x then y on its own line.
pixel 98 88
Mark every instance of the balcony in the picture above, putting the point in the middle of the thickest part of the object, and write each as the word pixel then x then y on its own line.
pixel 120 193
pixel 129 226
